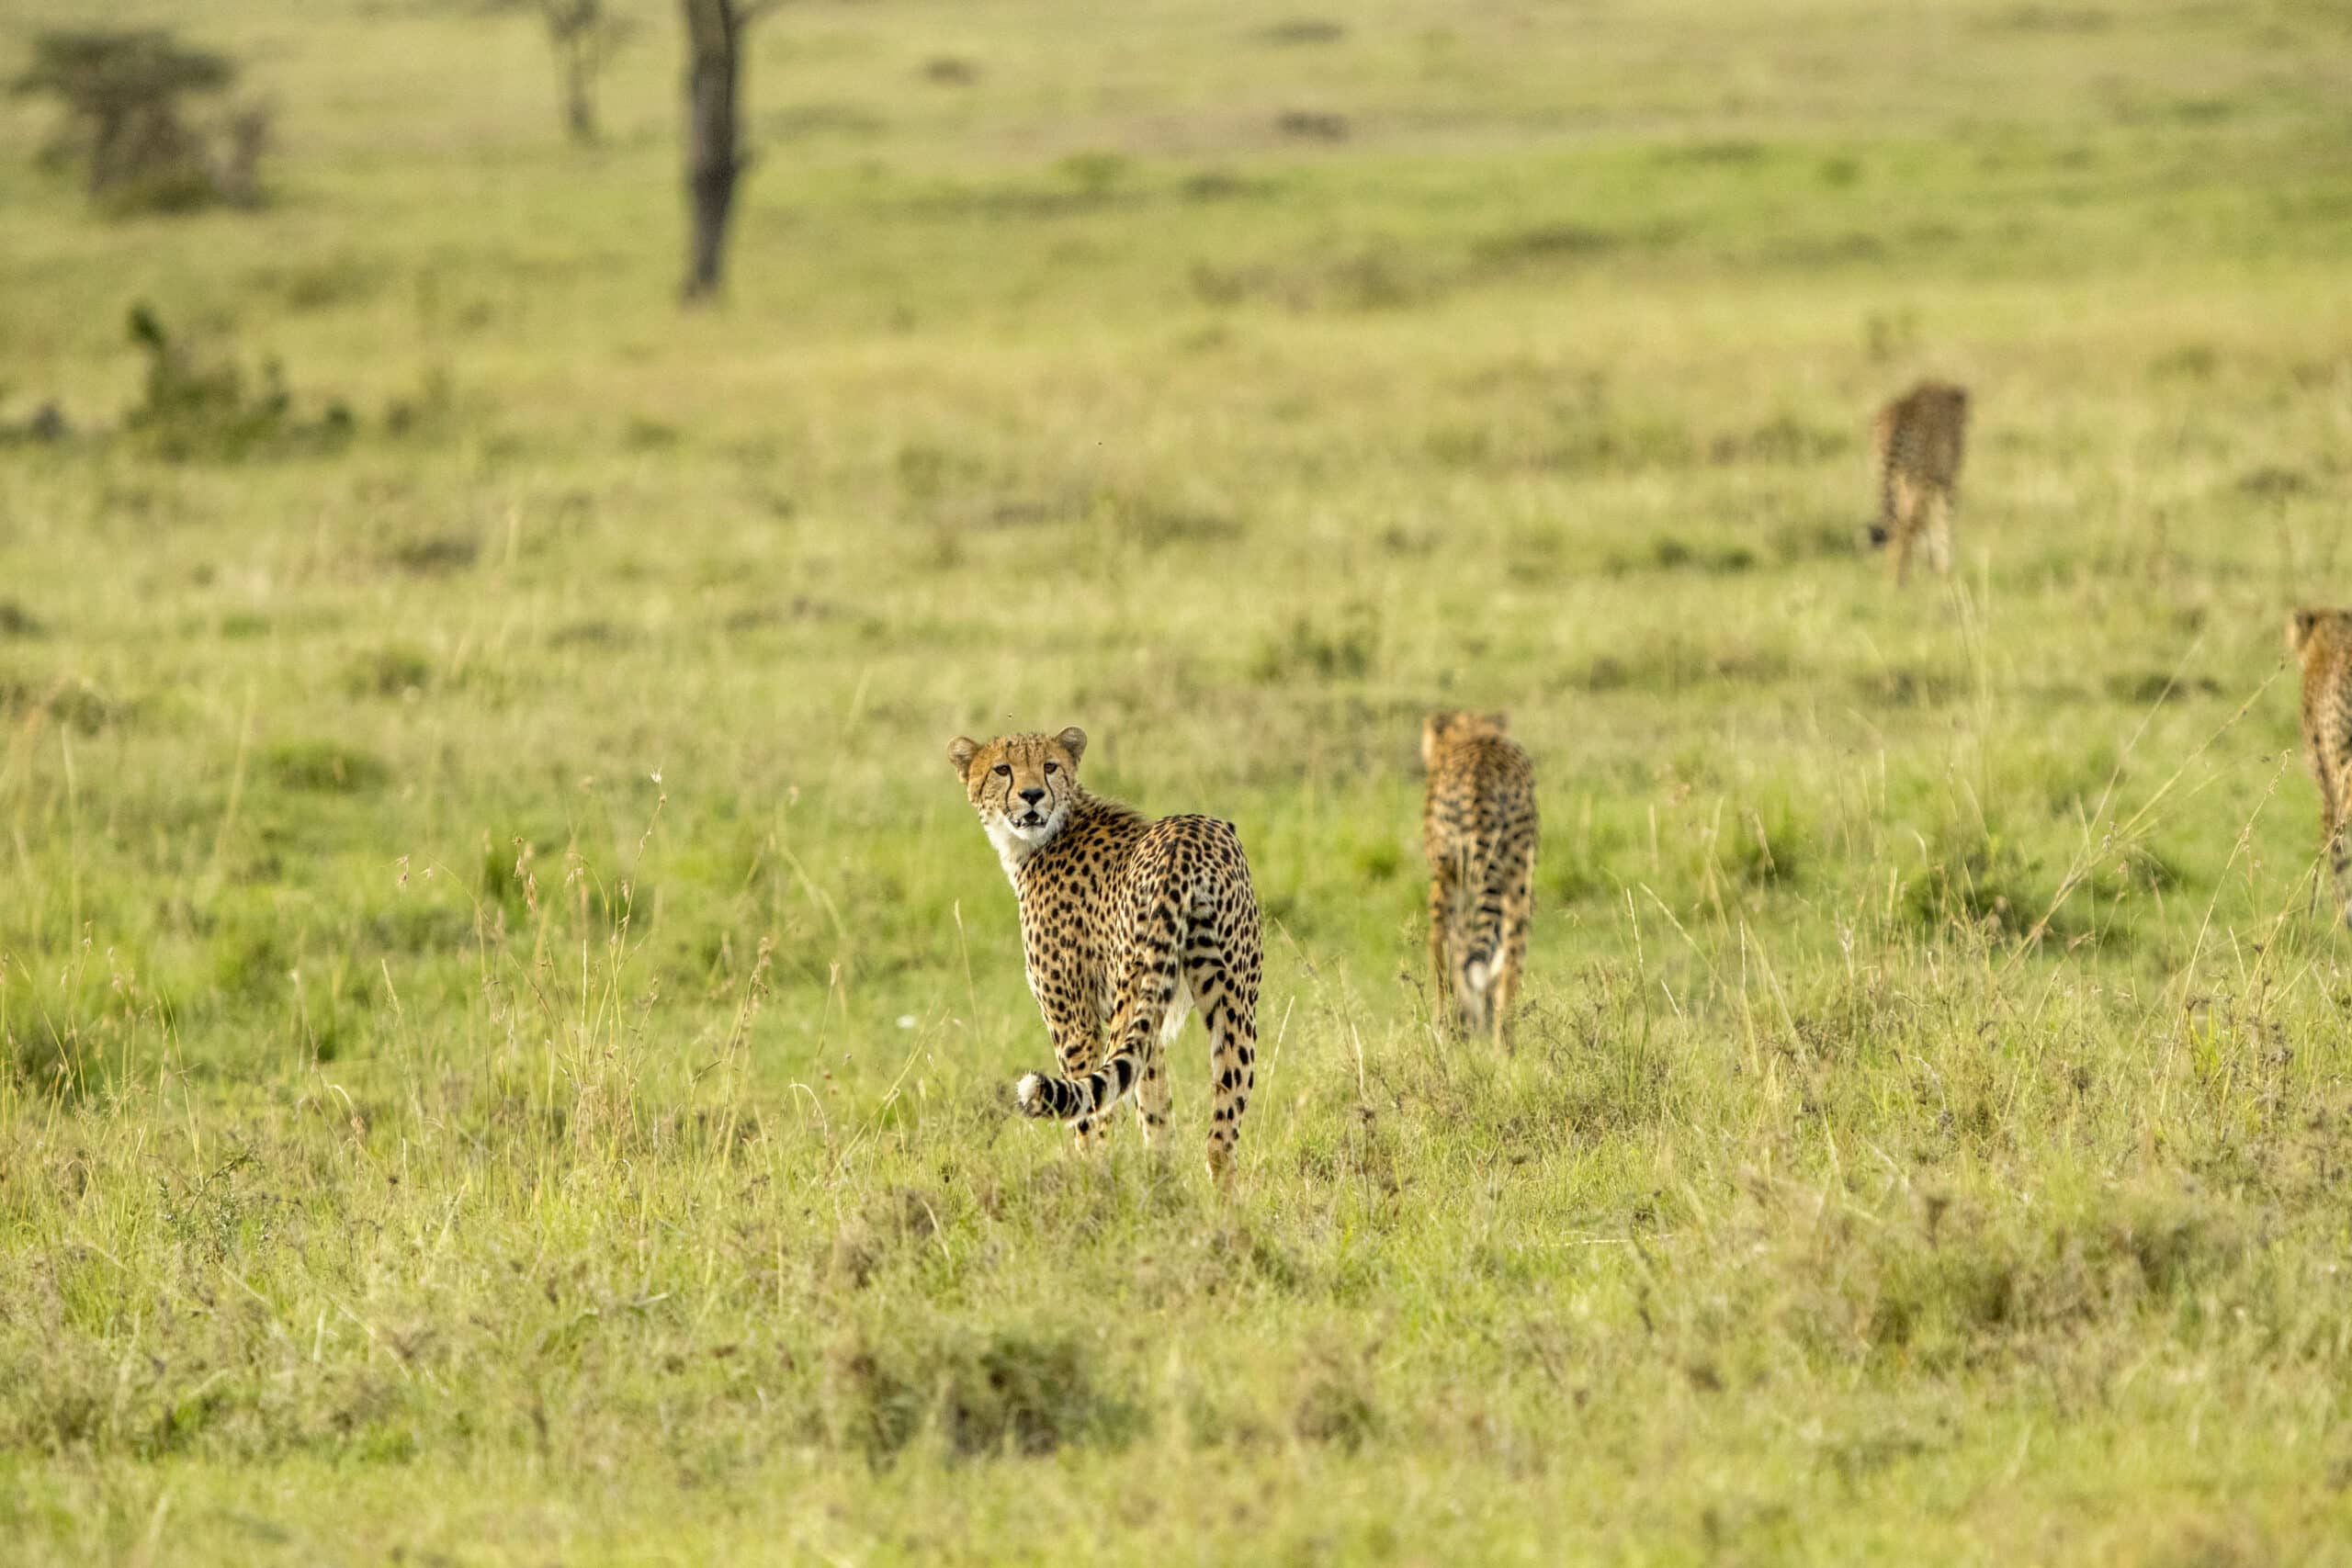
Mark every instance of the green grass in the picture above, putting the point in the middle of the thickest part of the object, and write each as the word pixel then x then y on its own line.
pixel 507 1023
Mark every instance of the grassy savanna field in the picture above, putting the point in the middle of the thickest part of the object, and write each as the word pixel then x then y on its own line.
pixel 509 1021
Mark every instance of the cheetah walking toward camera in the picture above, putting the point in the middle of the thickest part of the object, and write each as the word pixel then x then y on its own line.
pixel 1125 921
pixel 1916 445
pixel 1478 826
pixel 2321 640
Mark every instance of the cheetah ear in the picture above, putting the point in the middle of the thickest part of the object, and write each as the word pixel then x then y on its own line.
pixel 1499 719
pixel 2300 627
pixel 1073 740
pixel 961 751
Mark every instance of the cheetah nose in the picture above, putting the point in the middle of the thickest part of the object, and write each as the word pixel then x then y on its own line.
pixel 1032 795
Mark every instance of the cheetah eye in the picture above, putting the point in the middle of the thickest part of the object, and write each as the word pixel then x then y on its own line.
pixel 1053 767
pixel 1002 771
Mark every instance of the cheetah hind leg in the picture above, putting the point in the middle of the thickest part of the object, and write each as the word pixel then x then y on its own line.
pixel 1227 993
pixel 1441 938
pixel 1152 1092
pixel 1469 949
pixel 2332 843
pixel 1940 519
pixel 1903 531
pixel 2339 853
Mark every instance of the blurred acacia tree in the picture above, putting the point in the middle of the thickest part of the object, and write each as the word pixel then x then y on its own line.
pixel 584 35
pixel 123 91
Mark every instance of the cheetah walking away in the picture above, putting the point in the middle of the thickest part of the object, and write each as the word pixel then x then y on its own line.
pixel 2322 640
pixel 1126 922
pixel 1478 826
pixel 1916 445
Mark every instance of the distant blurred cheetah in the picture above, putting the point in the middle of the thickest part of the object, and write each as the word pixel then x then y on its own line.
pixel 1125 921
pixel 1916 445
pixel 1478 826
pixel 2322 640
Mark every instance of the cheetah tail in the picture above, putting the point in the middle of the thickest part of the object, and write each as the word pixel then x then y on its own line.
pixel 1485 932
pixel 1067 1100
pixel 1064 1100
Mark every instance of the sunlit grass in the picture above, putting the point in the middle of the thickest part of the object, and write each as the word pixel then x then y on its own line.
pixel 506 1021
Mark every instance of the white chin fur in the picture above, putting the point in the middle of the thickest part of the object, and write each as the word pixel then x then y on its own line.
pixel 1016 843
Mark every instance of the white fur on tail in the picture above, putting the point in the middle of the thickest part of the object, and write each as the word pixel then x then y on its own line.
pixel 1179 1007
pixel 1025 1092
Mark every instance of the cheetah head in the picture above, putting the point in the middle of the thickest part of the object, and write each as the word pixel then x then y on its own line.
pixel 1449 727
pixel 1021 785
pixel 2304 623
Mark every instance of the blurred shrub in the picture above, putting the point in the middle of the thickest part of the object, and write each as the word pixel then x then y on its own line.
pixel 192 409
pixel 1339 647
pixel 984 1391
pixel 323 767
pixel 584 36
pixel 123 92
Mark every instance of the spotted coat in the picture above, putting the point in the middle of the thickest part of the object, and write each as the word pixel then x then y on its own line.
pixel 2322 641
pixel 1916 445
pixel 1479 830
pixel 1127 924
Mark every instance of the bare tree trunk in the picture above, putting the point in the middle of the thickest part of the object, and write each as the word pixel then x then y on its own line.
pixel 714 161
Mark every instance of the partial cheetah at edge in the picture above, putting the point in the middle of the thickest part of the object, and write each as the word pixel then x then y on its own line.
pixel 1479 829
pixel 1125 921
pixel 2321 640
pixel 1916 445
